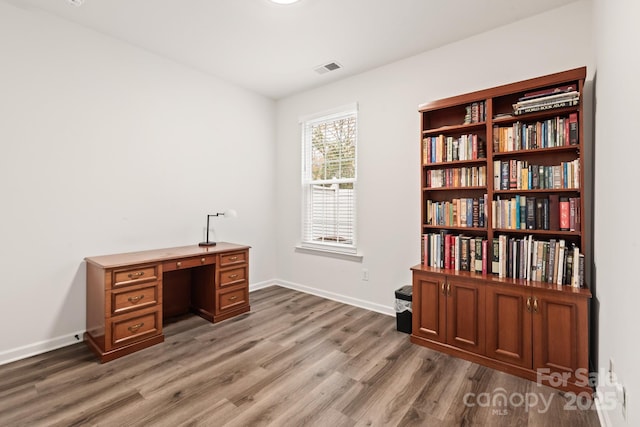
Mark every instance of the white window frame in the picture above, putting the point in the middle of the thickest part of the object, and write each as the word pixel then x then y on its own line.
pixel 307 123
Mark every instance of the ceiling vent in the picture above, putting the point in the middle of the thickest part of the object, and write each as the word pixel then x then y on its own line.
pixel 331 66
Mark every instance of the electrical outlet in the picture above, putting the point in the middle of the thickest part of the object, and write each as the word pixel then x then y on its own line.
pixel 365 274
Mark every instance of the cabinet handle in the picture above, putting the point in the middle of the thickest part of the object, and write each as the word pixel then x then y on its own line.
pixel 134 328
pixel 136 275
pixel 448 289
pixel 233 258
pixel 529 304
pixel 233 276
pixel 444 288
pixel 535 305
pixel 178 264
pixel 233 298
pixel 134 300
pixel 202 260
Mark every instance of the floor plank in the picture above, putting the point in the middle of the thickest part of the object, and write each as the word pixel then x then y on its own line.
pixel 294 360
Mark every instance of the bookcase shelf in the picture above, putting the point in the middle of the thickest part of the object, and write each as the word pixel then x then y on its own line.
pixel 498 279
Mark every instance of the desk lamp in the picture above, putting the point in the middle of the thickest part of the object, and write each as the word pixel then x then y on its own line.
pixel 229 213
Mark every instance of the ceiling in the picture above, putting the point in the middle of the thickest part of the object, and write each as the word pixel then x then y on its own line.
pixel 274 49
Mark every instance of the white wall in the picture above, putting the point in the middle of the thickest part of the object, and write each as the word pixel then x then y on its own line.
pixel 616 193
pixel 389 180
pixel 107 148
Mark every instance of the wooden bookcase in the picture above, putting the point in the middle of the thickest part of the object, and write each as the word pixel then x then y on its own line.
pixel 537 326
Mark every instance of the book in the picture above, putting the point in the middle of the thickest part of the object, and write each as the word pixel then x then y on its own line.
pixel 504 175
pixel 575 281
pixel 497 169
pixel 550 106
pixel 568 267
pixel 549 91
pixel 495 256
pixel 478 257
pixel 447 250
pixel 465 248
pixel 513 175
pixel 554 212
pixel 475 213
pixel 573 129
pixel 485 256
pixel 561 262
pixel 551 260
pixel 564 214
pixel 523 213
pixel 539 213
pixel 531 213
pixel 546 99
pixel 581 271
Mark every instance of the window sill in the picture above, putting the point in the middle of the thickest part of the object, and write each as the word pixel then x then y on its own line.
pixel 329 253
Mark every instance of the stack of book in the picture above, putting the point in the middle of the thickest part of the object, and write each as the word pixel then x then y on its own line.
pixel 547 99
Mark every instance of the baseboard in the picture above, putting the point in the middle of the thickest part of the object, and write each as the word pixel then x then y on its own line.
pixel 368 305
pixel 261 285
pixel 34 349
pixel 609 411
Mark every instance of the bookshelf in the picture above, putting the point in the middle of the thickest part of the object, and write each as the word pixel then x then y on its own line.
pixel 503 277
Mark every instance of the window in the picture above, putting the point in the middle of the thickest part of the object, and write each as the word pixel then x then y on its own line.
pixel 329 180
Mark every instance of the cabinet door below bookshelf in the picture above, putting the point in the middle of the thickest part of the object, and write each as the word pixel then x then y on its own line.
pixel 509 325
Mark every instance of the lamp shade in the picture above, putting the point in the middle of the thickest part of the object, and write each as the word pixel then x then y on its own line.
pixel 230 213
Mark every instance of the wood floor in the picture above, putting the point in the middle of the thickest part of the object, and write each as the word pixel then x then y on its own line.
pixel 294 360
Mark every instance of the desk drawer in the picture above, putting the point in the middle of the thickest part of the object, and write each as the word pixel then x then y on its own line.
pixel 231 299
pixel 233 258
pixel 135 275
pixel 126 300
pixel 233 276
pixel 188 262
pixel 131 329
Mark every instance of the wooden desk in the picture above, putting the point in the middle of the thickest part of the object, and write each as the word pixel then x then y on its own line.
pixel 129 294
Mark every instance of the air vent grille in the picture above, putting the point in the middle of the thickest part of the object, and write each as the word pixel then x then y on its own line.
pixel 331 66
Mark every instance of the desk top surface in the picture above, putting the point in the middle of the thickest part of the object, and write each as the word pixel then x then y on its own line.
pixel 159 255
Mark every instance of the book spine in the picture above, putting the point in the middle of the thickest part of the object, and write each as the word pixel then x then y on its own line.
pixel 573 129
pixel 564 214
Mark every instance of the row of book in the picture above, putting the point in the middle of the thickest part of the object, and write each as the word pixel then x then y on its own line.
pixel 456 252
pixel 555 132
pixel 462 212
pixel 521 175
pixel 552 261
pixel 475 176
pixel 443 148
pixel 536 213
pixel 475 113
pixel 547 99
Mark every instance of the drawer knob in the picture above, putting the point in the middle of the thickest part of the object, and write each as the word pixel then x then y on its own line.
pixel 134 328
pixel 136 275
pixel 233 276
pixel 233 298
pixel 134 300
pixel 178 264
pixel 233 258
pixel 202 260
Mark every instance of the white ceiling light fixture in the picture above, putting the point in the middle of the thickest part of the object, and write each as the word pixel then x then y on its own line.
pixel 284 1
